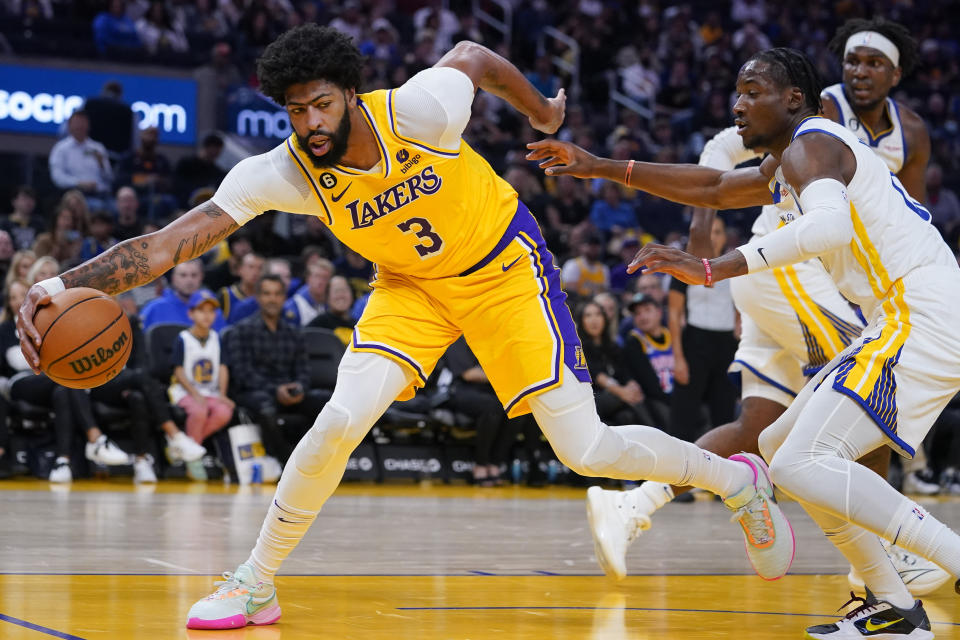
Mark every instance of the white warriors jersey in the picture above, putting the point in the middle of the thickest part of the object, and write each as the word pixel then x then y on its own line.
pixel 890 144
pixel 201 365
pixel 892 231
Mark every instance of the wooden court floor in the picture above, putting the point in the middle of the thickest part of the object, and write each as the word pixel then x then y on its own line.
pixel 105 561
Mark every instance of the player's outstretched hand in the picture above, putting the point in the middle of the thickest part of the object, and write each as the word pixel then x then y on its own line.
pixel 29 336
pixel 662 259
pixel 559 158
pixel 556 112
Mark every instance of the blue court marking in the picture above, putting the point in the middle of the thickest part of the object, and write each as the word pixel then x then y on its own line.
pixel 481 573
pixel 36 627
pixel 651 609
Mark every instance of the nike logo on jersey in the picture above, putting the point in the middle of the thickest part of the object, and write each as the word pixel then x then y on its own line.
pixel 760 251
pixel 871 627
pixel 507 266
pixel 337 197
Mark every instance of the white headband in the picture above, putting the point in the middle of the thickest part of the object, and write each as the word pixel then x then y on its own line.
pixel 876 41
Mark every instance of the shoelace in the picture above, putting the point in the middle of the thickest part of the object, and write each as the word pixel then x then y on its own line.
pixel 753 516
pixel 865 608
pixel 231 582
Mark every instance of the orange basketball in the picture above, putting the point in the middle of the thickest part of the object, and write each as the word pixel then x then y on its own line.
pixel 86 338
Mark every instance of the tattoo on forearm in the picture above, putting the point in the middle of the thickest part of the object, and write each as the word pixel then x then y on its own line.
pixel 123 267
pixel 139 260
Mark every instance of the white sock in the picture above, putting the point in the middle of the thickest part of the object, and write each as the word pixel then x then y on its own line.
pixel 914 529
pixel 659 493
pixel 282 530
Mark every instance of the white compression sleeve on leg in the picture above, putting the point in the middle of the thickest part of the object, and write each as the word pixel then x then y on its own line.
pixel 366 385
pixel 825 226
pixel 568 417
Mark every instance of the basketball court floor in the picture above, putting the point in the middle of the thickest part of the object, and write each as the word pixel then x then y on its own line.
pixel 105 560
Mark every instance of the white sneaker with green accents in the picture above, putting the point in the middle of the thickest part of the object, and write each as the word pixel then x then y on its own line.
pixel 767 534
pixel 238 601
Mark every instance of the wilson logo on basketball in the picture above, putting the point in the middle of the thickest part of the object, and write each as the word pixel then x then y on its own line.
pixel 99 357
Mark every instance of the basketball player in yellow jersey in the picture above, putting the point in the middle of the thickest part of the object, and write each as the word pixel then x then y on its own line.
pixel 457 254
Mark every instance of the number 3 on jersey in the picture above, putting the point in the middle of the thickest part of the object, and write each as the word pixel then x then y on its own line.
pixel 421 228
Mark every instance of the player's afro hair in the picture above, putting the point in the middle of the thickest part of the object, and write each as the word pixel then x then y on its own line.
pixel 306 53
pixel 898 34
pixel 790 68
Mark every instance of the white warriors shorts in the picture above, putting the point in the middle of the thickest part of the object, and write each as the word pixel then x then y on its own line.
pixel 793 322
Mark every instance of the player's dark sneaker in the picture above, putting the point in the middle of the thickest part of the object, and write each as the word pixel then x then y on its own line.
pixel 878 620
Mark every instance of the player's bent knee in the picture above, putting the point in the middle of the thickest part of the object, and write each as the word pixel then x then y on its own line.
pixel 323 441
pixel 609 455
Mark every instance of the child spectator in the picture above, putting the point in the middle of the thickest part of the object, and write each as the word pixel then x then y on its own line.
pixel 201 376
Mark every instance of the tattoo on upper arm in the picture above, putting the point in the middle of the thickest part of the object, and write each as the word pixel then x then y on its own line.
pixel 195 247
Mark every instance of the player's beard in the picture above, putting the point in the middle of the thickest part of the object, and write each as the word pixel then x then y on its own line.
pixel 338 143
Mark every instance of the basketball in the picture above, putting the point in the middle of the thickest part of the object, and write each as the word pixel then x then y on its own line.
pixel 85 338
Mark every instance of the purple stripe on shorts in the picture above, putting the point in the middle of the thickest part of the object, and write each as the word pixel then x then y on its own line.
pixel 382 347
pixel 554 301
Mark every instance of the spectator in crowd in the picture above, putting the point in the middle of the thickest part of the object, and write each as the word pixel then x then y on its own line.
pixel 20 265
pixel 382 44
pixel 356 269
pixel 310 299
pixel 128 217
pixel 619 278
pixel 281 267
pixel 702 322
pixel 201 376
pixel 23 224
pixel 160 35
pixel 350 20
pixel 585 275
pixel 72 411
pixel 6 254
pixel 268 363
pixel 239 300
pixel 226 271
pixel 542 76
pixel 619 397
pixel 611 211
pixel 611 308
pixel 943 204
pixel 115 34
pixel 470 393
pixel 337 315
pixel 78 162
pixel 44 267
pixel 649 349
pixel 185 279
pixel 200 170
pixel 149 172
pixel 65 239
pixel 101 235
pixel 111 119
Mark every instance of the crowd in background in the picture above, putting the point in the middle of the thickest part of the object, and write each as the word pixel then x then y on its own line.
pixel 675 62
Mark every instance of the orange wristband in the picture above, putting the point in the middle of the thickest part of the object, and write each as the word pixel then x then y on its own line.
pixel 626 178
pixel 708 281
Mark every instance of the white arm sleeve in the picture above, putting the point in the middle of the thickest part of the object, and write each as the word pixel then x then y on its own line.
pixel 725 151
pixel 434 106
pixel 263 183
pixel 825 226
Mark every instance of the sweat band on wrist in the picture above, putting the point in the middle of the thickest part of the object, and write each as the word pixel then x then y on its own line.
pixel 626 178
pixel 708 282
pixel 52 286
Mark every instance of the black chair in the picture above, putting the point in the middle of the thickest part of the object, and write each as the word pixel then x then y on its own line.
pixel 324 351
pixel 161 339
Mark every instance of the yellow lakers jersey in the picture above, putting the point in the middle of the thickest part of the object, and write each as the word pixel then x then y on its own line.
pixel 424 211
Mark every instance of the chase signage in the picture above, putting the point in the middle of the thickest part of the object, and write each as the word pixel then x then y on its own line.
pixel 38 100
